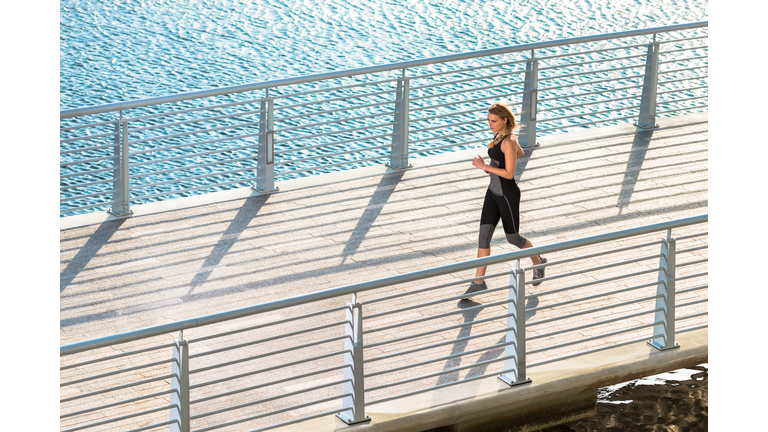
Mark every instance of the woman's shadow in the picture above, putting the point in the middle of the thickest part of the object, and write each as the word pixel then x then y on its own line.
pixel 461 342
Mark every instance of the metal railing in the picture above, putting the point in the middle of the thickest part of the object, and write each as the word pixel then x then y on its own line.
pixel 119 154
pixel 341 350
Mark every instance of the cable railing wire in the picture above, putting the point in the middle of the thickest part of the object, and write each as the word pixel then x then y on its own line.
pixel 389 375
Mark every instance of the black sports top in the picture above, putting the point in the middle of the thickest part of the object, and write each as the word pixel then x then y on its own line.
pixel 500 185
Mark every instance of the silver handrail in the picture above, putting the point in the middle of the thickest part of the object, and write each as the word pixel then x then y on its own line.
pixel 309 366
pixel 370 285
pixel 120 144
pixel 75 112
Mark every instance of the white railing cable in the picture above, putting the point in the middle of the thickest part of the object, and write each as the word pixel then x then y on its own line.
pixel 281 362
pixel 332 95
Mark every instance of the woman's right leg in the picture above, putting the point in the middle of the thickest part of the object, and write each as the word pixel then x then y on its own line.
pixel 488 220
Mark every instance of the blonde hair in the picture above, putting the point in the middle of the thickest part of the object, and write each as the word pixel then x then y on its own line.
pixel 503 112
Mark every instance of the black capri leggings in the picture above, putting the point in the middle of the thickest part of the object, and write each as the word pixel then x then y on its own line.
pixel 505 207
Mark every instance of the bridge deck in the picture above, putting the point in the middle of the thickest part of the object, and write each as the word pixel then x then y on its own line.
pixel 155 268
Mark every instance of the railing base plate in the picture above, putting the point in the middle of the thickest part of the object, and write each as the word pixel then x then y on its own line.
pixel 398 168
pixel 121 215
pixel 661 348
pixel 264 191
pixel 646 127
pixel 508 381
pixel 349 420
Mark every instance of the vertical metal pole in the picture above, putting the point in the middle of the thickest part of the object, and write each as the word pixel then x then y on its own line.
pixel 664 331
pixel 516 330
pixel 527 135
pixel 349 349
pixel 175 414
pixel 117 175
pixel 184 348
pixel 398 158
pixel 647 119
pixel 180 383
pixel 265 170
pixel 121 205
pixel 354 358
pixel 126 183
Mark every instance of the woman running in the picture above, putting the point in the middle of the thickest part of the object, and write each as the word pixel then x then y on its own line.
pixel 502 199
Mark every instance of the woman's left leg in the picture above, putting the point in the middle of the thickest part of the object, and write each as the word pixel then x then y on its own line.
pixel 536 260
pixel 510 218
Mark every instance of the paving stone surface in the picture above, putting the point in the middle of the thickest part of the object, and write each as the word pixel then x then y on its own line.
pixel 129 274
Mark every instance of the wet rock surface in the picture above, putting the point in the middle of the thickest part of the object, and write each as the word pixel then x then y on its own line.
pixel 669 402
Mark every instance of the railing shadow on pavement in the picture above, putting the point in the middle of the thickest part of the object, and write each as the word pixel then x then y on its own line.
pixel 239 224
pixel 396 337
pixel 178 242
pixel 86 252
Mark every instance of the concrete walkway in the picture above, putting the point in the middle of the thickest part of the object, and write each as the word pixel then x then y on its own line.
pixel 123 275
pixel 233 249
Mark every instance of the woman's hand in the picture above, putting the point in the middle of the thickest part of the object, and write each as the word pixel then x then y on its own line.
pixel 479 162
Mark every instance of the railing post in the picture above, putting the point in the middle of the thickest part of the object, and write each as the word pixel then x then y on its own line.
pixel 117 175
pixel 664 331
pixel 398 158
pixel 647 119
pixel 516 331
pixel 121 197
pixel 354 358
pixel 180 383
pixel 527 135
pixel 265 170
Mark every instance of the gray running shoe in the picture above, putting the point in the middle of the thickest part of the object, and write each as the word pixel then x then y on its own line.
pixel 473 288
pixel 539 273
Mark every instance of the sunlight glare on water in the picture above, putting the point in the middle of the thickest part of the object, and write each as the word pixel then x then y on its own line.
pixel 125 50
pixel 128 50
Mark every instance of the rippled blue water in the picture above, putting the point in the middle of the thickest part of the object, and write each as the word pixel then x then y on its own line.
pixel 132 49
pixel 126 50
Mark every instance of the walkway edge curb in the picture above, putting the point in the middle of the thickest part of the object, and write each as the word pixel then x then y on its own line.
pixel 490 398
